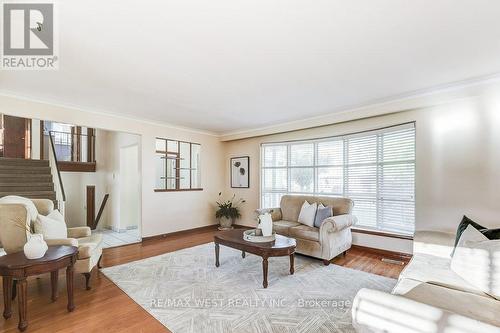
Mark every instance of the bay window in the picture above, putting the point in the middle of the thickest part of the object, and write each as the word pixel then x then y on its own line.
pixel 376 169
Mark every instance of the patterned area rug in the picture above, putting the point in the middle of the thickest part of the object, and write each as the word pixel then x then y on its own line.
pixel 187 293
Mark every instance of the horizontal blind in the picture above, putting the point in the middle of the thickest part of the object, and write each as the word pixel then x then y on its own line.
pixel 376 169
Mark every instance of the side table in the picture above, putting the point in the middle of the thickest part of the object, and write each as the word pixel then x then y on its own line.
pixel 16 266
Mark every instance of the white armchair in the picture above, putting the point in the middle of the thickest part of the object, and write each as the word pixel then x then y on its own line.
pixel 13 238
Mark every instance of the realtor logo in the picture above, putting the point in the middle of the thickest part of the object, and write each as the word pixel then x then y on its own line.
pixel 28 36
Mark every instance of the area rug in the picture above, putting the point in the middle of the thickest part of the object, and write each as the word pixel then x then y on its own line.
pixel 188 294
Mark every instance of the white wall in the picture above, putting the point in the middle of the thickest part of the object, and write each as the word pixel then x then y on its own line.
pixel 162 212
pixel 458 163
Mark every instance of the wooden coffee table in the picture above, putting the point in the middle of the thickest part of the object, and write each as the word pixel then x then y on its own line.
pixel 282 246
pixel 17 266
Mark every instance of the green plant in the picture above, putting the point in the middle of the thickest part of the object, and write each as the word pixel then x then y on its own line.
pixel 229 208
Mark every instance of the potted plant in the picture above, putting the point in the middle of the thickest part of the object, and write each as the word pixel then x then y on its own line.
pixel 228 211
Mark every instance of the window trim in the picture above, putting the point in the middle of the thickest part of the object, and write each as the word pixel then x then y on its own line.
pixel 376 131
pixel 177 172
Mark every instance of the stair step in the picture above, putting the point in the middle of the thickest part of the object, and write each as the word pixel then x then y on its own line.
pixel 25 178
pixel 33 195
pixel 12 169
pixel 26 187
pixel 20 161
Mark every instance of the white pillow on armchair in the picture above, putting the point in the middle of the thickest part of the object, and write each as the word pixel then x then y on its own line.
pixel 51 226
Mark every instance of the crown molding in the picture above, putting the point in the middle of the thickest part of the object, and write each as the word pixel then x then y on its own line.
pixel 417 99
pixel 434 96
pixel 10 94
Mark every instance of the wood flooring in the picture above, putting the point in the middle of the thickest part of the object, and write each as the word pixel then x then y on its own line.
pixel 106 308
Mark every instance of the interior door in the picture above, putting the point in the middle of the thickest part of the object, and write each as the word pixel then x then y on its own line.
pixel 16 135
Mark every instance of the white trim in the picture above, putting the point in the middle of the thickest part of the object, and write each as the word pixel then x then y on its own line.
pixel 9 94
pixel 404 102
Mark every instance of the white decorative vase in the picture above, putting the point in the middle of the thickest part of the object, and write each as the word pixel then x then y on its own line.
pixel 35 247
pixel 266 224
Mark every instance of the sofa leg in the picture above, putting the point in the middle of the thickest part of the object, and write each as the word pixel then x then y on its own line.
pixel 87 281
pixel 99 262
pixel 326 262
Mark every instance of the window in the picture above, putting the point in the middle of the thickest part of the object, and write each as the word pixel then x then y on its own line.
pixel 376 169
pixel 177 165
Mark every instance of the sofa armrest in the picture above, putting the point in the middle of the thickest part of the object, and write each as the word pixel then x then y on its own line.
pixel 338 222
pixel 79 232
pixel 275 213
pixel 377 311
pixel 62 241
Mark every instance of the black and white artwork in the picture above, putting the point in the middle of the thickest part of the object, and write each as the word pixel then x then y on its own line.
pixel 240 172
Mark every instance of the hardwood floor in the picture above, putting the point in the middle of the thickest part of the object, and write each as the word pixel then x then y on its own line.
pixel 106 308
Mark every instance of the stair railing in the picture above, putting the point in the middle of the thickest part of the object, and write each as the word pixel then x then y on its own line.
pixel 58 186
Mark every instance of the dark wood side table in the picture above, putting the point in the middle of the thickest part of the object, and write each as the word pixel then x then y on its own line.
pixel 17 267
pixel 282 246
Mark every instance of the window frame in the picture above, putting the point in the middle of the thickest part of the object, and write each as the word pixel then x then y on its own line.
pixel 177 153
pixel 379 229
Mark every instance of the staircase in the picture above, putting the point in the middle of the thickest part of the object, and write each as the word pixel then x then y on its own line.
pixel 26 178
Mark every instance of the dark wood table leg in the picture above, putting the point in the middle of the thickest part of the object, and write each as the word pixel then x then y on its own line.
pixel 292 267
pixel 22 298
pixel 7 297
pixel 243 254
pixel 264 271
pixel 217 264
pixel 54 277
pixel 69 286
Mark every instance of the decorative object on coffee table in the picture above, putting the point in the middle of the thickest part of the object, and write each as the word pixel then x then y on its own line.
pixel 15 266
pixel 265 224
pixel 240 172
pixel 255 236
pixel 228 211
pixel 282 246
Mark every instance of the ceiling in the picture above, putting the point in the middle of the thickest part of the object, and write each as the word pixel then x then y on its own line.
pixel 235 65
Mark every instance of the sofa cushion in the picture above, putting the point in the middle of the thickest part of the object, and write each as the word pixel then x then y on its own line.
pixel 436 270
pixel 51 227
pixel 477 261
pixel 321 214
pixel 466 222
pixel 307 213
pixel 304 232
pixel 281 227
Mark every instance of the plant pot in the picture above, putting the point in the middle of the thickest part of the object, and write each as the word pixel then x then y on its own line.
pixel 226 223
pixel 35 247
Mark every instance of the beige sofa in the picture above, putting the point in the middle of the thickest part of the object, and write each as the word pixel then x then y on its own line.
pixel 331 239
pixel 13 238
pixel 428 297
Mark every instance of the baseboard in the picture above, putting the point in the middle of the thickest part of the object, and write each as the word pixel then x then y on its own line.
pixel 384 253
pixel 181 232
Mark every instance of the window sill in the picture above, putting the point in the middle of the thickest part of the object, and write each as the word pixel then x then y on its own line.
pixel 178 190
pixel 382 233
pixel 76 166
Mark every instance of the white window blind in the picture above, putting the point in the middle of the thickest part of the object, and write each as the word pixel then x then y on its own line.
pixel 376 169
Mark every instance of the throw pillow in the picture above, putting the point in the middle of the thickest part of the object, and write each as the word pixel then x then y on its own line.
pixel 30 206
pixel 477 261
pixel 307 213
pixel 51 228
pixel 321 214
pixel 488 233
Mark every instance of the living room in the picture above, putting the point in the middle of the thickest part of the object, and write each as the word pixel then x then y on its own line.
pixel 299 167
